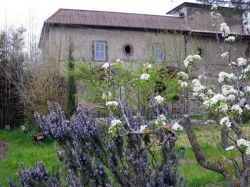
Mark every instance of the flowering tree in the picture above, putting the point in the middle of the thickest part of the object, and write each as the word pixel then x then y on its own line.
pixel 126 148
pixel 227 103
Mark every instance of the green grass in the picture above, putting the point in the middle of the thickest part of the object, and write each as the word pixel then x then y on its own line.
pixel 21 149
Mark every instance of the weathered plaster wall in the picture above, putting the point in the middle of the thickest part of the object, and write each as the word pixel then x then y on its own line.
pixel 176 47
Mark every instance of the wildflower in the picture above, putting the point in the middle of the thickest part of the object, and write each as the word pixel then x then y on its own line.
pixel 241 61
pixel 230 39
pixel 106 65
pixel 229 148
pixel 159 99
pixel 224 29
pixel 176 126
pixel 237 109
pixel 182 75
pixel 145 76
pixel 225 121
pixel 111 103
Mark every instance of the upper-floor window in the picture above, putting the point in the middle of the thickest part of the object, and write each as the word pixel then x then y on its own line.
pixel 100 50
pixel 158 52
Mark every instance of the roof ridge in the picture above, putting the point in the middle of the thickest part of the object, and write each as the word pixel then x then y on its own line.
pixel 165 15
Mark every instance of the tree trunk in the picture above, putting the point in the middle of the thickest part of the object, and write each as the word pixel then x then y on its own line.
pixel 224 138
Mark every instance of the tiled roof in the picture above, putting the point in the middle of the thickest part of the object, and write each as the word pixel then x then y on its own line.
pixel 116 20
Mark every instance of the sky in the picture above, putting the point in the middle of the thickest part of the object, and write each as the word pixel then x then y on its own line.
pixel 32 13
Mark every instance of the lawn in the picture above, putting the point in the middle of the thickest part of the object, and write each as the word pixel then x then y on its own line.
pixel 21 149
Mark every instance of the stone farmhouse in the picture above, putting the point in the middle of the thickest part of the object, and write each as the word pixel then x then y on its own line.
pixel 100 36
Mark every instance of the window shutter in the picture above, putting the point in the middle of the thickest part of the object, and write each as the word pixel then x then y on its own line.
pixel 93 51
pixel 106 50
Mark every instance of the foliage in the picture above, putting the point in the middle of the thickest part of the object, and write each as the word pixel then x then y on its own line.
pixel 71 85
pixel 126 81
pixel 11 70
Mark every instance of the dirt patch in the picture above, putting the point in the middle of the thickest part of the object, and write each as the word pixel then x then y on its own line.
pixel 3 149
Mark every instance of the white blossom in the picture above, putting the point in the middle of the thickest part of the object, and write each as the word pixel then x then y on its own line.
pixel 223 76
pixel 23 128
pixel 159 99
pixel 119 61
pixel 147 65
pixel 247 106
pixel 160 120
pixel 145 76
pixel 191 59
pixel 247 69
pixel 243 142
pixel 247 89
pixel 216 99
pixel 227 90
pixel 111 103
pixel 225 55
pixel 202 77
pixel 106 65
pixel 231 97
pixel 182 75
pixel 215 15
pixel 113 124
pixel 176 126
pixel 106 96
pixel 143 127
pixel 225 30
pixel 214 7
pixel 229 148
pixel 225 121
pixel 184 84
pixel 241 61
pixel 237 109
pixel 230 39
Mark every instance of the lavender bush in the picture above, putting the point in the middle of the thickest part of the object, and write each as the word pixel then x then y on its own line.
pixel 136 155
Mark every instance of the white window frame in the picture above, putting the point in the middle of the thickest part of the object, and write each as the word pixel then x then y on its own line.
pixel 102 52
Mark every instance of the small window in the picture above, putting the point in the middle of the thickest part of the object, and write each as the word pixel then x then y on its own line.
pixel 100 50
pixel 158 52
pixel 128 49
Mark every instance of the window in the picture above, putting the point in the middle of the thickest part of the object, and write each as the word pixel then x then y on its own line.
pixel 158 52
pixel 99 50
pixel 128 49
